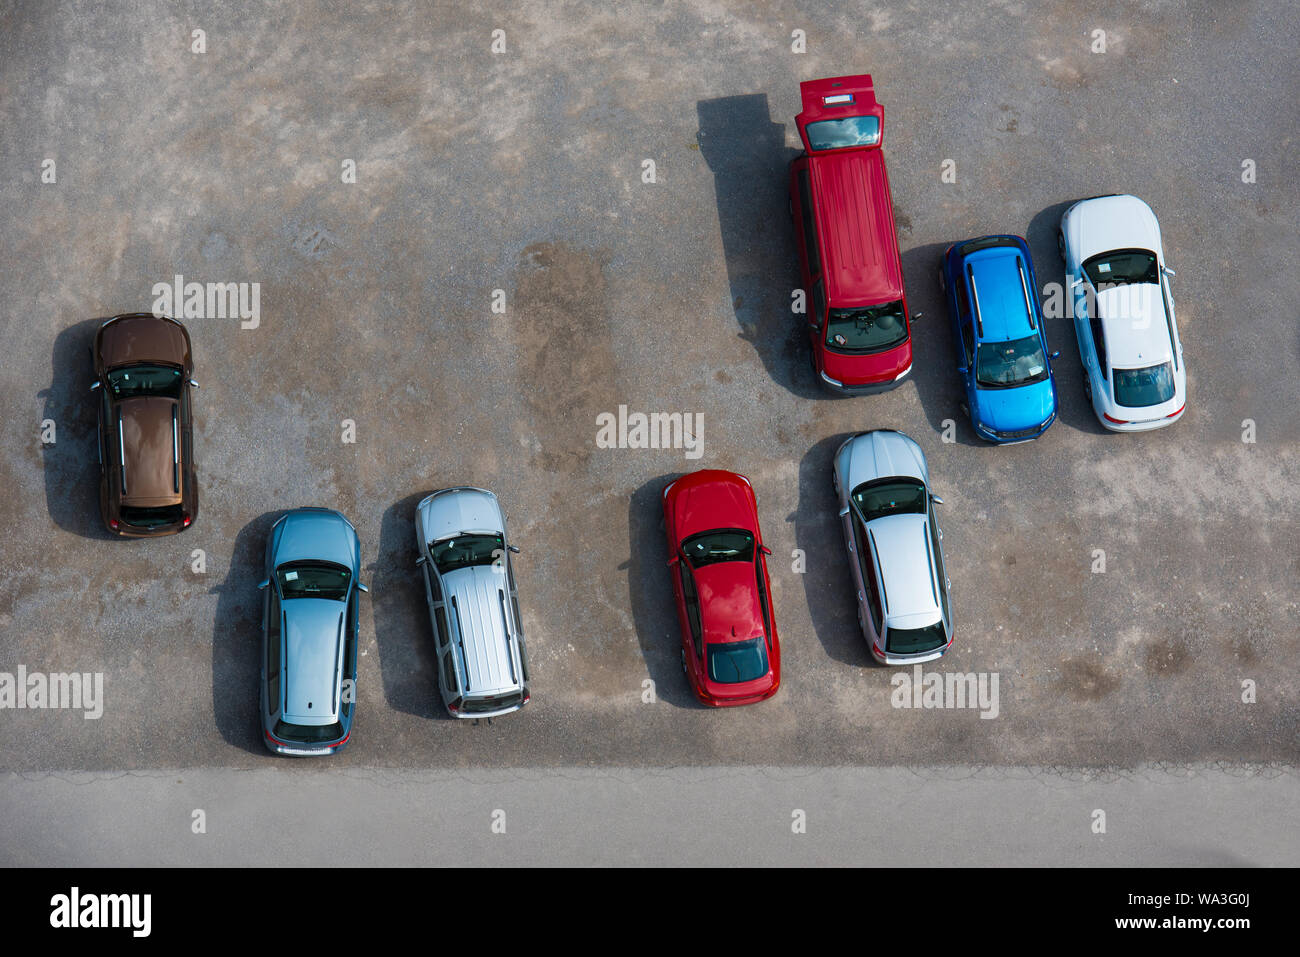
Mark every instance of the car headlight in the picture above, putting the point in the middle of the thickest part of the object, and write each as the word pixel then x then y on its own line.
pixel 904 372
pixel 829 381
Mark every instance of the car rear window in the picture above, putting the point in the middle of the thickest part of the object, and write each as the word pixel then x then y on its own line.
pixel 890 497
pixel 307 734
pixel 872 329
pixel 151 517
pixel 735 662
pixel 915 641
pixel 849 131
pixel 491 703
pixel 1136 388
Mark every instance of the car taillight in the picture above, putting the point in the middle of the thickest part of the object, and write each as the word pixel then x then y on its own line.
pixel 527 698
pixel 1109 418
pixel 185 520
pixel 1178 412
pixel 114 524
pixel 878 650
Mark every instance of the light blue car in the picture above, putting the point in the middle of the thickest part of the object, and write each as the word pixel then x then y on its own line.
pixel 309 632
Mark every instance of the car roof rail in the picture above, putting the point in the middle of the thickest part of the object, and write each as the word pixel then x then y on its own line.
pixel 1024 285
pixel 884 592
pixel 176 453
pixel 121 449
pixel 975 301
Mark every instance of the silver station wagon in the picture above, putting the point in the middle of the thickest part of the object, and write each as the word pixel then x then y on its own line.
pixel 469 583
pixel 895 547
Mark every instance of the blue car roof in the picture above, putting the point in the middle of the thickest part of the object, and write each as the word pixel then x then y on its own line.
pixel 1001 295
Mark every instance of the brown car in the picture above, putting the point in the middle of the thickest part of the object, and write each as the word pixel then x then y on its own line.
pixel 146 440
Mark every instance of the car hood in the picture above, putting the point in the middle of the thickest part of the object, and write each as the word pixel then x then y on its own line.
pixel 1011 410
pixel 149 445
pixel 1112 222
pixel 316 535
pixel 459 510
pixel 313 657
pixel 143 339
pixel 883 454
pixel 722 503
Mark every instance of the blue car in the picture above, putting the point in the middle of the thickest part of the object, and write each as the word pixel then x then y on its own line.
pixel 309 632
pixel 997 326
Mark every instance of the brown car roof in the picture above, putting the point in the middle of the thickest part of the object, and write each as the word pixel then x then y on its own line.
pixel 148 440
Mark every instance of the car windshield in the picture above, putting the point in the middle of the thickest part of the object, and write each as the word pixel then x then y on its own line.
pixel 1121 267
pixel 151 517
pixel 465 551
pixel 734 662
pixel 1136 388
pixel 849 131
pixel 313 580
pixel 873 329
pixel 145 380
pixel 1001 365
pixel 890 497
pixel 708 548
pixel 306 733
pixel 915 641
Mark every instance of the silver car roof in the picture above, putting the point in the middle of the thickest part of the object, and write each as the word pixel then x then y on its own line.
pixel 902 544
pixel 313 656
pixel 476 600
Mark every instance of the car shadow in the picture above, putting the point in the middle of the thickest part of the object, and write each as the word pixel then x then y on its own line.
pixel 747 155
pixel 827 583
pixel 71 463
pixel 237 639
pixel 1072 406
pixel 650 593
pixel 403 635
pixel 934 354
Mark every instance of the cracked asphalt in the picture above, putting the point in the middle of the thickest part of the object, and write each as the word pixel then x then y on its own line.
pixel 521 172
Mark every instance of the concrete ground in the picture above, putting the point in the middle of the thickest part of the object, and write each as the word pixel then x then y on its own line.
pixel 522 171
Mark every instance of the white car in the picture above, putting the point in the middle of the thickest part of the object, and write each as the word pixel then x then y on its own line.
pixel 1116 275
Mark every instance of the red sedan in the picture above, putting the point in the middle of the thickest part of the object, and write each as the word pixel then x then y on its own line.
pixel 730 651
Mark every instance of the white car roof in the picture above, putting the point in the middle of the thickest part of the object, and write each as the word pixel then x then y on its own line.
pixel 1137 334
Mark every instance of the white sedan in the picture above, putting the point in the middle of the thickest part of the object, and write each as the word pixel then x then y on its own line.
pixel 1115 273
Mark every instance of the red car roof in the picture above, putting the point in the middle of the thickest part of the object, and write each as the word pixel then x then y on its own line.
pixel 729 609
pixel 855 217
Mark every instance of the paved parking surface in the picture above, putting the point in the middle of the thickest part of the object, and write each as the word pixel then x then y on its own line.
pixel 522 172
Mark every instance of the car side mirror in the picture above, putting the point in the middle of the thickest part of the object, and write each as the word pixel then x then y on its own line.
pixel 513 548
pixel 95 385
pixel 194 384
pixel 264 583
pixel 844 511
pixel 1077 283
pixel 1169 272
pixel 765 550
pixel 917 315
pixel 673 562
pixel 420 561
pixel 936 499
pixel 962 369
pixel 1056 354
pixel 361 586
